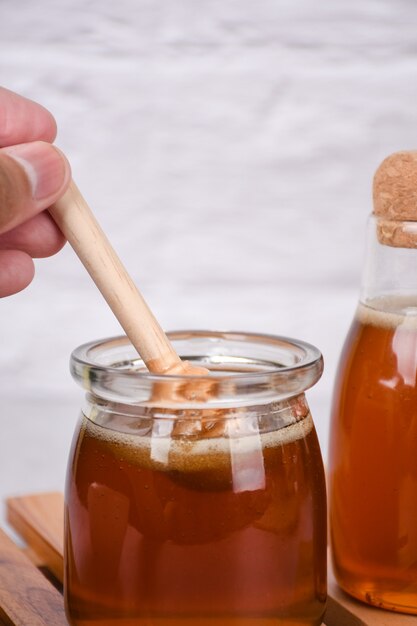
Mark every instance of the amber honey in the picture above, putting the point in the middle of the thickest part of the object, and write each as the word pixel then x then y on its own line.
pixel 373 465
pixel 219 532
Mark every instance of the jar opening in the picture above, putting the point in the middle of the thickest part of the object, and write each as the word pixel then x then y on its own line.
pixel 241 364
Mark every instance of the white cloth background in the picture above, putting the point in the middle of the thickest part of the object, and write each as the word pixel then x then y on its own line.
pixel 227 147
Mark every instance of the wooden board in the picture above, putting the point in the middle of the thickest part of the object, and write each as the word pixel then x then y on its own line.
pixel 39 521
pixel 26 596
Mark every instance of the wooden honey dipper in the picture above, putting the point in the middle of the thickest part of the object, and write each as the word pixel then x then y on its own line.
pixel 77 222
pixel 395 200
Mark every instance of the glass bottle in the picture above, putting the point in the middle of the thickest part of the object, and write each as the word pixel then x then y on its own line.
pixel 187 511
pixel 373 451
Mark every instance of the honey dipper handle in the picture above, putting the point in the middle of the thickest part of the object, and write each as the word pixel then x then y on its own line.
pixel 75 219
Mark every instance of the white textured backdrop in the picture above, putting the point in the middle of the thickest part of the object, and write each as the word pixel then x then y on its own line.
pixel 227 148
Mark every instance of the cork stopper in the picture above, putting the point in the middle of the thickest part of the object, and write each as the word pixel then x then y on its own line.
pixel 395 200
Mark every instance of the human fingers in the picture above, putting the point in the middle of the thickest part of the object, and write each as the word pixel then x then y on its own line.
pixel 39 237
pixel 22 120
pixel 32 177
pixel 17 271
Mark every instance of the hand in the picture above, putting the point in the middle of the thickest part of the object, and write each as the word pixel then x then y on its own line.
pixel 33 174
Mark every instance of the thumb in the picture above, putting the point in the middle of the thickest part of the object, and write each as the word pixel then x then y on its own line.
pixel 32 176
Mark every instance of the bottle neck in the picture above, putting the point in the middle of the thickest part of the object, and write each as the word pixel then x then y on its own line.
pixel 390 273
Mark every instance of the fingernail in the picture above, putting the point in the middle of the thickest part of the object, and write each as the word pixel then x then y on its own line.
pixel 44 166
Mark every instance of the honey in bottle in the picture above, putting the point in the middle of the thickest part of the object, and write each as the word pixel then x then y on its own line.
pixel 373 448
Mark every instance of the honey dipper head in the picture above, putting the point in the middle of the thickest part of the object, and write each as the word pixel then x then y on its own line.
pixel 395 199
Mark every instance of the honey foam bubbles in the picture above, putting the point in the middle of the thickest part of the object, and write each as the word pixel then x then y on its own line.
pixel 389 312
pixel 158 450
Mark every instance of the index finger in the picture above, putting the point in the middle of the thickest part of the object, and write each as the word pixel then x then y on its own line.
pixel 22 120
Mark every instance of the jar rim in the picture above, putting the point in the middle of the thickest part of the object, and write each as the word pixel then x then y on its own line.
pixel 96 363
pixel 82 354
